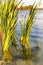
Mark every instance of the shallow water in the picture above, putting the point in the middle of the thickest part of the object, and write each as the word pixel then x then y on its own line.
pixel 36 35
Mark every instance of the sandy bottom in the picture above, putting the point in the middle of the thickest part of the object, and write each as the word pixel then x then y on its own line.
pixel 20 62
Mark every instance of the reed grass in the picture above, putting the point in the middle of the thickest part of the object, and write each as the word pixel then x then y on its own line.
pixel 26 29
pixel 8 19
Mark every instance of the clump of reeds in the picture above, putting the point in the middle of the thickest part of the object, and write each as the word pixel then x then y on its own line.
pixel 8 19
pixel 26 29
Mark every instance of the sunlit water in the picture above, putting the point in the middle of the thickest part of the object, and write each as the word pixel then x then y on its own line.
pixel 36 35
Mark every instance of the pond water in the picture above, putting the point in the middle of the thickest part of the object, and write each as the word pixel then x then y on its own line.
pixel 36 34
